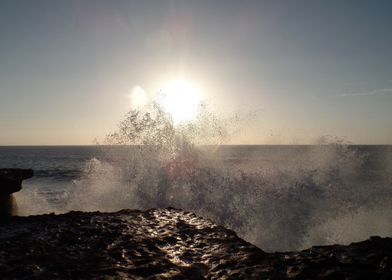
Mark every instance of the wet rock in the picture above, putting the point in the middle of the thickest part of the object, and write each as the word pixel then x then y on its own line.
pixel 168 244
pixel 11 182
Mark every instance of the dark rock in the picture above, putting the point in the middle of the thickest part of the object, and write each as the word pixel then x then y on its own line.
pixel 11 179
pixel 11 182
pixel 133 244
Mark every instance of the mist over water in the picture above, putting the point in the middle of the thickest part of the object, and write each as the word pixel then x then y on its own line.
pixel 277 197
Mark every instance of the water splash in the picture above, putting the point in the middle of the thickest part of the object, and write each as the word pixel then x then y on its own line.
pixel 277 197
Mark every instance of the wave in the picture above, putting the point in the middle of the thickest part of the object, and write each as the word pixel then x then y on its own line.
pixel 287 200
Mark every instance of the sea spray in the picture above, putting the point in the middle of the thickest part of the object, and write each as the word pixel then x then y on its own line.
pixel 277 197
pixel 310 195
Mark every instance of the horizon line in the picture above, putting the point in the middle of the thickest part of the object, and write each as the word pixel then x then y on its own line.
pixel 111 145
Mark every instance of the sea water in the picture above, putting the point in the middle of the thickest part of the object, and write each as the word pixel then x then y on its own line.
pixel 277 197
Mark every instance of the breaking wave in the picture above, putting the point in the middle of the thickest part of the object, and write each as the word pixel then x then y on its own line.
pixel 277 197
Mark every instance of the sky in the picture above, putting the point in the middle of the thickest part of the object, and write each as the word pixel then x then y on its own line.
pixel 308 68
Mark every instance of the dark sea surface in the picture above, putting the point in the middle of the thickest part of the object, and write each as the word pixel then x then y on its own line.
pixel 278 197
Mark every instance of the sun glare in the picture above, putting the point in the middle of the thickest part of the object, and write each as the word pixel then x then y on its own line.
pixel 181 100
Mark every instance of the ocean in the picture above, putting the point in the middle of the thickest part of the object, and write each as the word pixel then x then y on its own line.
pixel 277 197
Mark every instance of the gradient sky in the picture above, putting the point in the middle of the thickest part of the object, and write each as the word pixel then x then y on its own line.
pixel 309 68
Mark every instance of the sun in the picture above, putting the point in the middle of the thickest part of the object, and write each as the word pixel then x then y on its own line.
pixel 181 100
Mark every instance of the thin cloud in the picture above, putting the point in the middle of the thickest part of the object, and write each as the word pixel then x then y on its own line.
pixel 369 93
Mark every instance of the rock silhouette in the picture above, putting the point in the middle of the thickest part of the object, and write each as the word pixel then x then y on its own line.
pixel 168 244
pixel 11 182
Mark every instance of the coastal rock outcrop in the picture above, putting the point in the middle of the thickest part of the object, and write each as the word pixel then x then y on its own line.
pixel 11 182
pixel 168 244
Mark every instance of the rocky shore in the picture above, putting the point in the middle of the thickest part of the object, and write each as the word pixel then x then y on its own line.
pixel 168 244
pixel 11 182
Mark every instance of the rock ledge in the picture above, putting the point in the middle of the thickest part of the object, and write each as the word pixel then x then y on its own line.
pixel 168 244
pixel 11 182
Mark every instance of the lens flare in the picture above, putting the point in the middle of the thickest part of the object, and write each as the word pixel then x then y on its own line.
pixel 138 97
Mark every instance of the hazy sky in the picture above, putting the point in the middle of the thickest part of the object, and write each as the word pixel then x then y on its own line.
pixel 310 68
